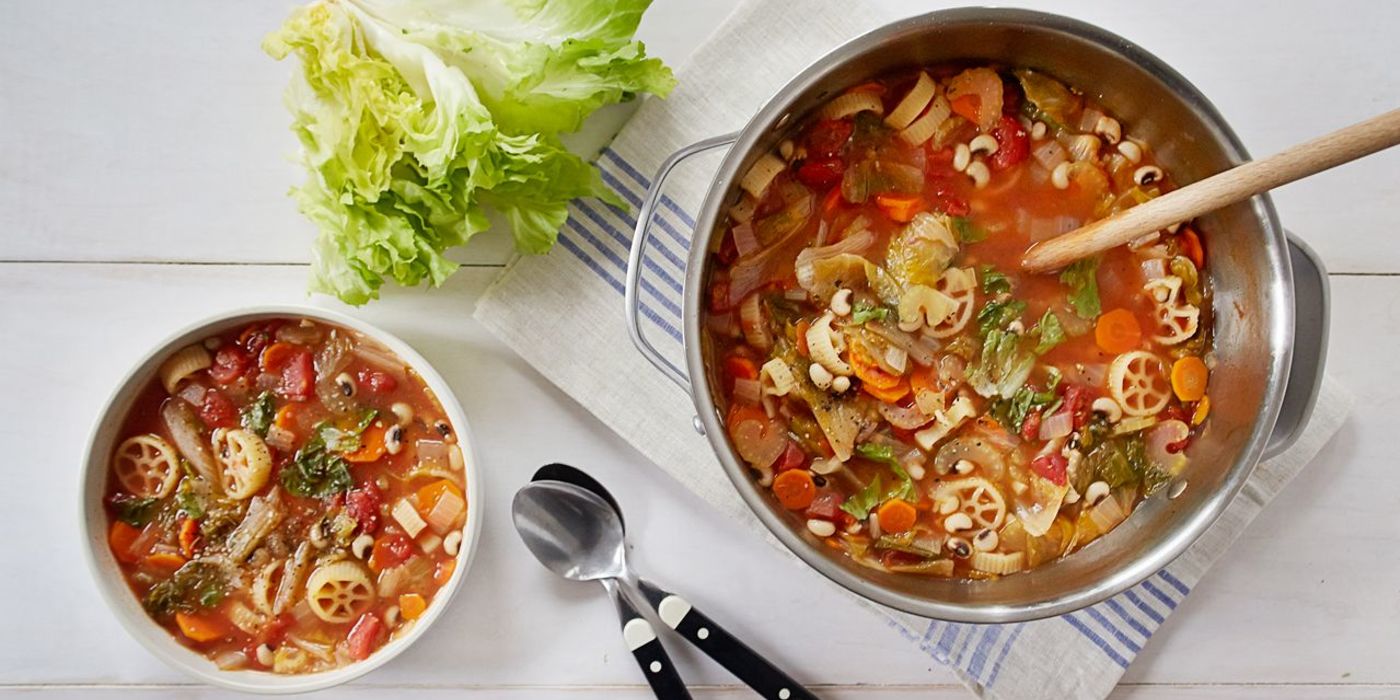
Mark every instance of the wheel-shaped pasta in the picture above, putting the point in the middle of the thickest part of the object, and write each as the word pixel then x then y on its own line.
pixel 960 285
pixel 244 462
pixel 183 363
pixel 1137 380
pixel 1177 320
pixel 146 466
pixel 977 497
pixel 339 591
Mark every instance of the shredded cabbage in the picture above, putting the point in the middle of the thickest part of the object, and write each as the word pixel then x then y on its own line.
pixel 416 116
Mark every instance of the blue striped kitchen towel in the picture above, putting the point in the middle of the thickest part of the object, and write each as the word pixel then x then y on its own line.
pixel 573 298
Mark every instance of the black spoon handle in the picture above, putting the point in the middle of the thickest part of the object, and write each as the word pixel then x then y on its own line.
pixel 641 640
pixel 745 663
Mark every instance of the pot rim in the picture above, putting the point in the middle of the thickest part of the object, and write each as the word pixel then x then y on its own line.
pixel 1280 331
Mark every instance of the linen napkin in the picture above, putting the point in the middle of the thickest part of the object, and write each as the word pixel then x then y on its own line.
pixel 557 309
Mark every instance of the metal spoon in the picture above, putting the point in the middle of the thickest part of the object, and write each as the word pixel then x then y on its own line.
pixel 697 628
pixel 578 536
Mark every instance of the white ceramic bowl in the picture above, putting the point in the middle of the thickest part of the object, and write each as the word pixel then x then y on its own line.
pixel 124 604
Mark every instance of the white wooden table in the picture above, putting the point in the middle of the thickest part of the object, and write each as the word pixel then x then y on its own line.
pixel 142 176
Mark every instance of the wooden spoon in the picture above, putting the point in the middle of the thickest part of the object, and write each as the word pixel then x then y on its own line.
pixel 1236 184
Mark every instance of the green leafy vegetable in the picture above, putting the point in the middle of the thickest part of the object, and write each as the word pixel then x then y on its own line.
pixel 1002 367
pixel 193 586
pixel 257 416
pixel 1047 99
pixel 905 542
pixel 414 118
pixel 994 282
pixel 1123 461
pixel 1082 278
pixel 996 315
pixel 968 232
pixel 865 311
pixel 188 501
pixel 135 511
pixel 316 472
pixel 1048 332
pixel 904 487
pixel 860 503
pixel 336 439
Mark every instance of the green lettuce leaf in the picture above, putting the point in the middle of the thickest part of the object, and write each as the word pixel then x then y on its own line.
pixel 415 117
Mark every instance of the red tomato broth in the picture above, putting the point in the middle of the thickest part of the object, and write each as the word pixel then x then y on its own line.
pixel 296 640
pixel 1018 205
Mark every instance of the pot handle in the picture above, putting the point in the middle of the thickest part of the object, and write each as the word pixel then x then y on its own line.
pixel 1311 310
pixel 639 244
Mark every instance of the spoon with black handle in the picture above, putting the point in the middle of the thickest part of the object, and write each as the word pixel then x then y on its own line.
pixel 678 614
pixel 578 536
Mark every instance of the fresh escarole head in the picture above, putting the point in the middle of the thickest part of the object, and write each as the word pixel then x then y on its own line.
pixel 415 117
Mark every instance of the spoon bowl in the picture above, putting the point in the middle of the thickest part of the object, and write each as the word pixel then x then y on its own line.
pixel 571 531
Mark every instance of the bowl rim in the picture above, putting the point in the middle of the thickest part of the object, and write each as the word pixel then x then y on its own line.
pixel 117 595
pixel 1280 332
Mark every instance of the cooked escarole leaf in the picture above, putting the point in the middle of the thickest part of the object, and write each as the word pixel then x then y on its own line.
pixel 997 314
pixel 1047 99
pixel 1002 367
pixel 860 503
pixel 414 117
pixel 134 510
pixel 1082 278
pixel 1048 332
pixel 994 281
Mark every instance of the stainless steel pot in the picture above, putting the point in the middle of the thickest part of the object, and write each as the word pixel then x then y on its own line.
pixel 1270 325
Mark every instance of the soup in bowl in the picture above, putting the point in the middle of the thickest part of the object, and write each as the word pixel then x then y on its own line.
pixel 281 500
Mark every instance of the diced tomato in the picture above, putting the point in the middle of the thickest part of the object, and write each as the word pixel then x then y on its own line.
pixel 946 200
pixel 821 173
pixel 271 634
pixel 218 411
pixel 826 506
pixel 230 362
pixel 389 551
pixel 365 636
pixel 298 377
pixel 740 367
pixel 1013 143
pixel 793 458
pixel 363 505
pixel 1053 467
pixel 376 382
pixel 1030 427
pixel 827 137
pixel 257 336
pixel 719 293
pixel 1079 400
pixel 728 250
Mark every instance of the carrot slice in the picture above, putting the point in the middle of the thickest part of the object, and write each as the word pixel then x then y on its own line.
pixel 200 628
pixel 897 516
pixel 802 327
pixel 276 356
pixel 1202 411
pixel 1118 331
pixel 888 395
pixel 169 561
pixel 189 536
pixel 428 496
pixel 121 538
pixel 869 372
pixel 968 107
pixel 900 207
pixel 1189 377
pixel 412 605
pixel 371 446
pixel 795 489
pixel 1191 246
pixel 923 379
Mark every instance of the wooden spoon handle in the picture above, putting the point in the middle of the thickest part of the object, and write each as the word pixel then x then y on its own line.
pixel 1233 185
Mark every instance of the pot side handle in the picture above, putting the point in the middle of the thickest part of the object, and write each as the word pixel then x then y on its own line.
pixel 1311 311
pixel 640 236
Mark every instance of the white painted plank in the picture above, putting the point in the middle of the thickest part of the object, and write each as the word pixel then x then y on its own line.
pixel 155 130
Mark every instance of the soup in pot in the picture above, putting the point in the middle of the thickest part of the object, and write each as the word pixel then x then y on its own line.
pixel 896 381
